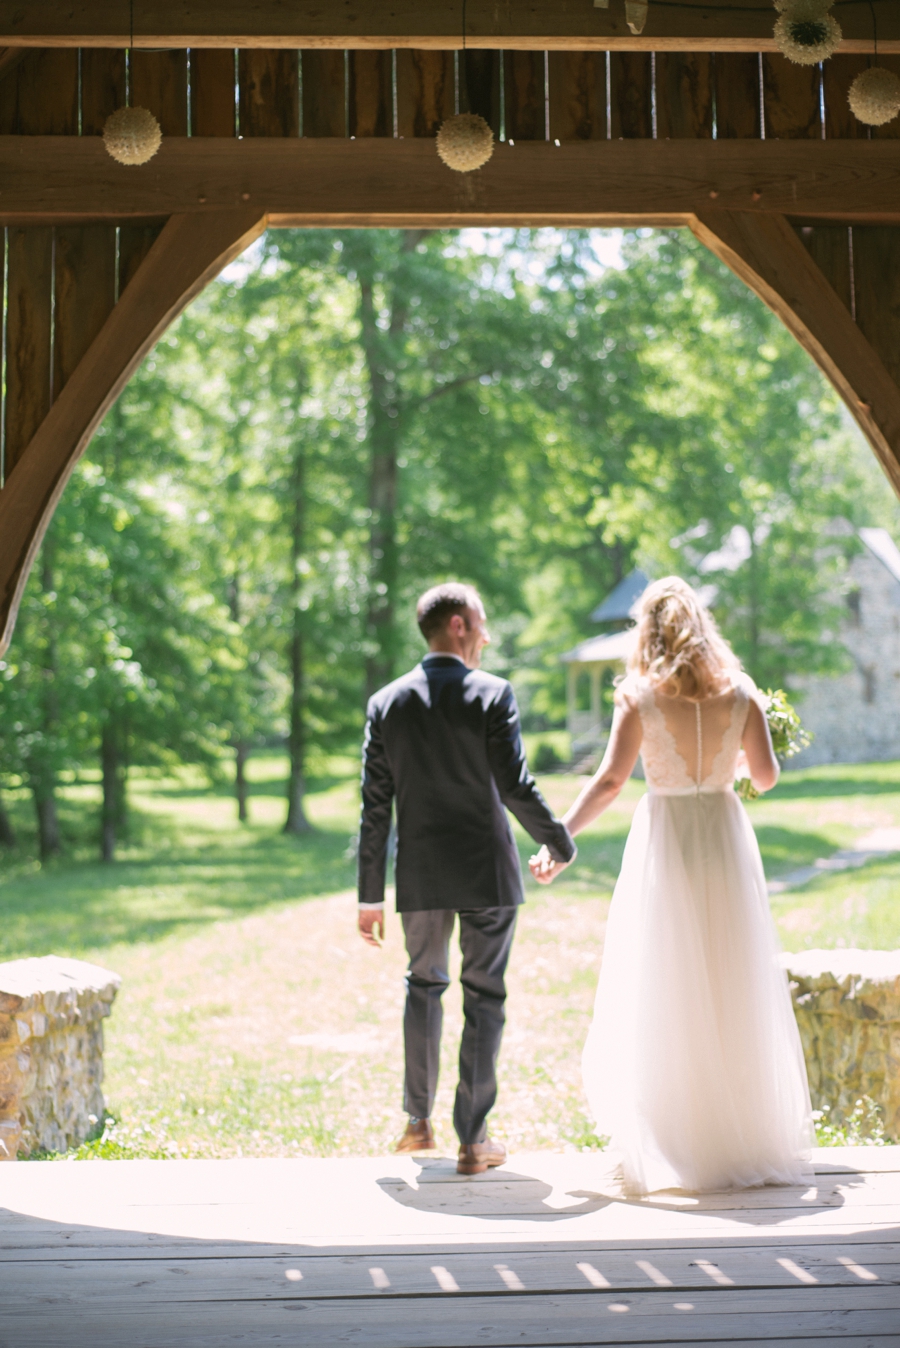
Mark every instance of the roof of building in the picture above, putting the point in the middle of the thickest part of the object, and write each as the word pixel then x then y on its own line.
pixel 613 648
pixel 619 604
pixel 880 543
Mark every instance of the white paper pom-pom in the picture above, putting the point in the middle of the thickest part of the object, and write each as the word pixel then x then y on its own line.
pixel 805 32
pixel 132 135
pixel 465 142
pixel 874 96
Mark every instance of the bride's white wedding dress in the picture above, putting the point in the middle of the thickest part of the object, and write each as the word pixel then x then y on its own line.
pixel 693 1065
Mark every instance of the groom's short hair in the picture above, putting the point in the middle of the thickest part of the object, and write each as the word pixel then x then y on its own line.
pixel 437 605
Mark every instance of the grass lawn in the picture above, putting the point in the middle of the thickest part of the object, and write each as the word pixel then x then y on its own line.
pixel 253 1021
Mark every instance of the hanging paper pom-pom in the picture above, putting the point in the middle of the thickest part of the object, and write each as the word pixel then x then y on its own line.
pixel 874 96
pixel 132 135
pixel 805 32
pixel 465 142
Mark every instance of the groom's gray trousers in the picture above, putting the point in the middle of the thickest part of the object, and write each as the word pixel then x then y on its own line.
pixel 485 937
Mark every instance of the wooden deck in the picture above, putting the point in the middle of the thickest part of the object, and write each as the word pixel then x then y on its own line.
pixel 153 1254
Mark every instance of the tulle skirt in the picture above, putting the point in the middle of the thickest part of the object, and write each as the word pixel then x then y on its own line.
pixel 693 1065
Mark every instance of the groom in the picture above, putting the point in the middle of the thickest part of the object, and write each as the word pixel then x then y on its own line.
pixel 444 741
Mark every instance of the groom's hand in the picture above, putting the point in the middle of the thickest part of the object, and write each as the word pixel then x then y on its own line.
pixel 371 925
pixel 544 868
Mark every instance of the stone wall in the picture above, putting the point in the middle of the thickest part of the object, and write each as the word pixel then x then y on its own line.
pixel 855 716
pixel 847 1004
pixel 51 1052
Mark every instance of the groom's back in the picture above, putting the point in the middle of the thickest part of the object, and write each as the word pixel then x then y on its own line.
pixel 441 739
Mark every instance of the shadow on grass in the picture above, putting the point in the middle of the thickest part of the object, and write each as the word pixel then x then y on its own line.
pixel 273 789
pixel 785 849
pixel 73 906
pixel 845 779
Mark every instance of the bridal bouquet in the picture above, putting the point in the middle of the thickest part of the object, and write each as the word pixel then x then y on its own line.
pixel 788 735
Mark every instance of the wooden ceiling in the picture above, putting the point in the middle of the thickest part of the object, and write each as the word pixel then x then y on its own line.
pixel 281 112
pixel 546 25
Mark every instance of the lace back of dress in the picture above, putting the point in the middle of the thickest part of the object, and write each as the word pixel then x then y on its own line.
pixel 690 745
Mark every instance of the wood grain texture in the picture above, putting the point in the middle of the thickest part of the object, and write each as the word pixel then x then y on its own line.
pixel 791 99
pixel 737 96
pixel 370 94
pixel 269 93
pixel 10 58
pixel 159 82
pixel 740 25
pixel 631 95
pixel 189 252
pixel 322 181
pixel 212 92
pixel 577 95
pixel 829 247
pixel 876 267
pixel 324 94
pixel 838 74
pixel 102 87
pixel 135 242
pixel 479 86
pixel 28 373
pixel 39 97
pixel 85 267
pixel 525 94
pixel 425 91
pixel 684 95
pixel 765 252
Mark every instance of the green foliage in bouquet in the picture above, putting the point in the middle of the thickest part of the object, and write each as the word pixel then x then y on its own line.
pixel 788 735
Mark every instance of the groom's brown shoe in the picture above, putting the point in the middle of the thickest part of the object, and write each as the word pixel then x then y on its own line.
pixel 418 1136
pixel 475 1157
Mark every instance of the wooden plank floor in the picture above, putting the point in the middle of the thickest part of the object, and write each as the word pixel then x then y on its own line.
pixel 394 1252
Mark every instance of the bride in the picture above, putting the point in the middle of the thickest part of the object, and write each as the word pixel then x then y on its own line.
pixel 693 1064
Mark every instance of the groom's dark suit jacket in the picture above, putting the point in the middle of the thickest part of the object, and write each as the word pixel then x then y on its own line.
pixel 445 741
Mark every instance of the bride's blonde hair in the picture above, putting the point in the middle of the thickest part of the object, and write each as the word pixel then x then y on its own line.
pixel 678 645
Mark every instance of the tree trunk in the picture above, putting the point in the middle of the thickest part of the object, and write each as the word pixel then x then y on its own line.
pixel 754 605
pixel 297 821
pixel 241 750
pixel 42 771
pixel 113 770
pixel 240 780
pixel 7 832
pixel 49 841
pixel 382 350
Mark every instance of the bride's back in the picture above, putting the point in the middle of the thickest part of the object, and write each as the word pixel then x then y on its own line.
pixel 690 745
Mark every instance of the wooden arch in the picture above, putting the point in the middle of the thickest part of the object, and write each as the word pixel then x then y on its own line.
pixel 702 127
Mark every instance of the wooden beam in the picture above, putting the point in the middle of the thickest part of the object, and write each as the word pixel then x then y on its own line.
pixel 189 252
pixel 719 25
pixel 336 180
pixel 765 252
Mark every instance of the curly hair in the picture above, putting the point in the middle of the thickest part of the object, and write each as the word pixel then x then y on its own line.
pixel 678 647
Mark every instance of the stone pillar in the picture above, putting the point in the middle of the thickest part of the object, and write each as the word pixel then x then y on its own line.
pixel 847 1004
pixel 51 1052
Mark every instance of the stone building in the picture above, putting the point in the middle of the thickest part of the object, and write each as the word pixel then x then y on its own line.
pixel 855 716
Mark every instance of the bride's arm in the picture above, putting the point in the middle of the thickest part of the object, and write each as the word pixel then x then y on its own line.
pixel 757 746
pixel 600 792
pixel 612 774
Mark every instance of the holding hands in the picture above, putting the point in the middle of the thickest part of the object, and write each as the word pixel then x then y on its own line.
pixel 544 868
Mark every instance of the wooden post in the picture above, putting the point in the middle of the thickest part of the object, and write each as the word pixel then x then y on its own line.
pixel 596 675
pixel 572 673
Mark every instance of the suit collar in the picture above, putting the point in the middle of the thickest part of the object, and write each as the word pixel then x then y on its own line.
pixel 445 658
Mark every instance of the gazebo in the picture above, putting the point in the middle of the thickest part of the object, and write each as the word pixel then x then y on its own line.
pixel 596 655
pixel 676 114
